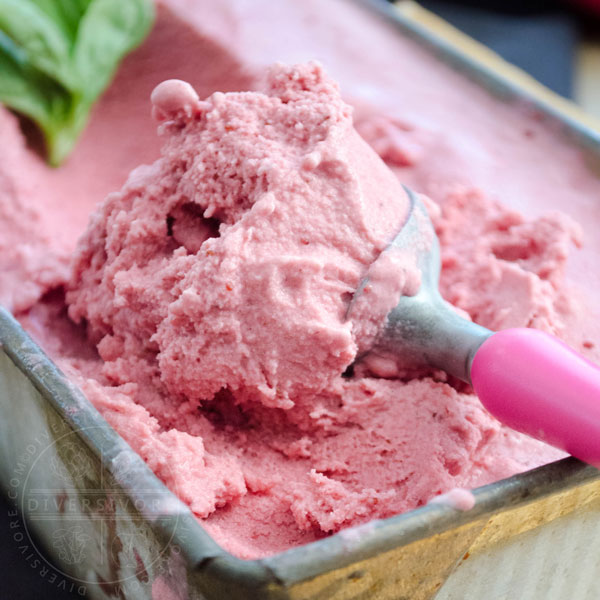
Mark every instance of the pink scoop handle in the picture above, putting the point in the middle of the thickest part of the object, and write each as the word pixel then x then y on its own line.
pixel 535 384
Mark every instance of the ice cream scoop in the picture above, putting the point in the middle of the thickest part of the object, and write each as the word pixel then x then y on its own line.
pixel 529 380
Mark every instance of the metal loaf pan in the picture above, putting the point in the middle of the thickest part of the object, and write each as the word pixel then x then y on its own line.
pixel 106 520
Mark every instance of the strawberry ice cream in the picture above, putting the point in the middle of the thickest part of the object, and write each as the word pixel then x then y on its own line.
pixel 207 298
pixel 226 267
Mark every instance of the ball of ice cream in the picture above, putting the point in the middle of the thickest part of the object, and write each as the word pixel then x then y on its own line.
pixel 229 263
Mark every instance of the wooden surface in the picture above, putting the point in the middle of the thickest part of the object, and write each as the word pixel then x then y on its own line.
pixel 587 81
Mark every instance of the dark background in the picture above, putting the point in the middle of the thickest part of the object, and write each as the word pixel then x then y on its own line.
pixel 540 37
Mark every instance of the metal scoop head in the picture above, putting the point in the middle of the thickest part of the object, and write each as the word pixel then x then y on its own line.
pixel 528 379
pixel 423 330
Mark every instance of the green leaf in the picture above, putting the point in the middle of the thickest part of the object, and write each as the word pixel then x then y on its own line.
pixel 47 103
pixel 108 30
pixel 62 133
pixel 58 56
pixel 38 36
pixel 29 91
pixel 66 14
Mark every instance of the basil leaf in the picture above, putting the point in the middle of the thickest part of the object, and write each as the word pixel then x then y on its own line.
pixel 62 132
pixel 58 56
pixel 27 90
pixel 46 102
pixel 66 14
pixel 108 30
pixel 38 37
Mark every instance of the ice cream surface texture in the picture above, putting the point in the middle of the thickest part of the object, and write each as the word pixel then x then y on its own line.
pixel 207 298
pixel 226 267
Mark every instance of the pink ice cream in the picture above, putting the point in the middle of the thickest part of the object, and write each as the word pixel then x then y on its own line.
pixel 227 266
pixel 235 397
pixel 27 270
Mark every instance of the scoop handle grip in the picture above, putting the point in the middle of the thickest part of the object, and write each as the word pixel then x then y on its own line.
pixel 536 384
